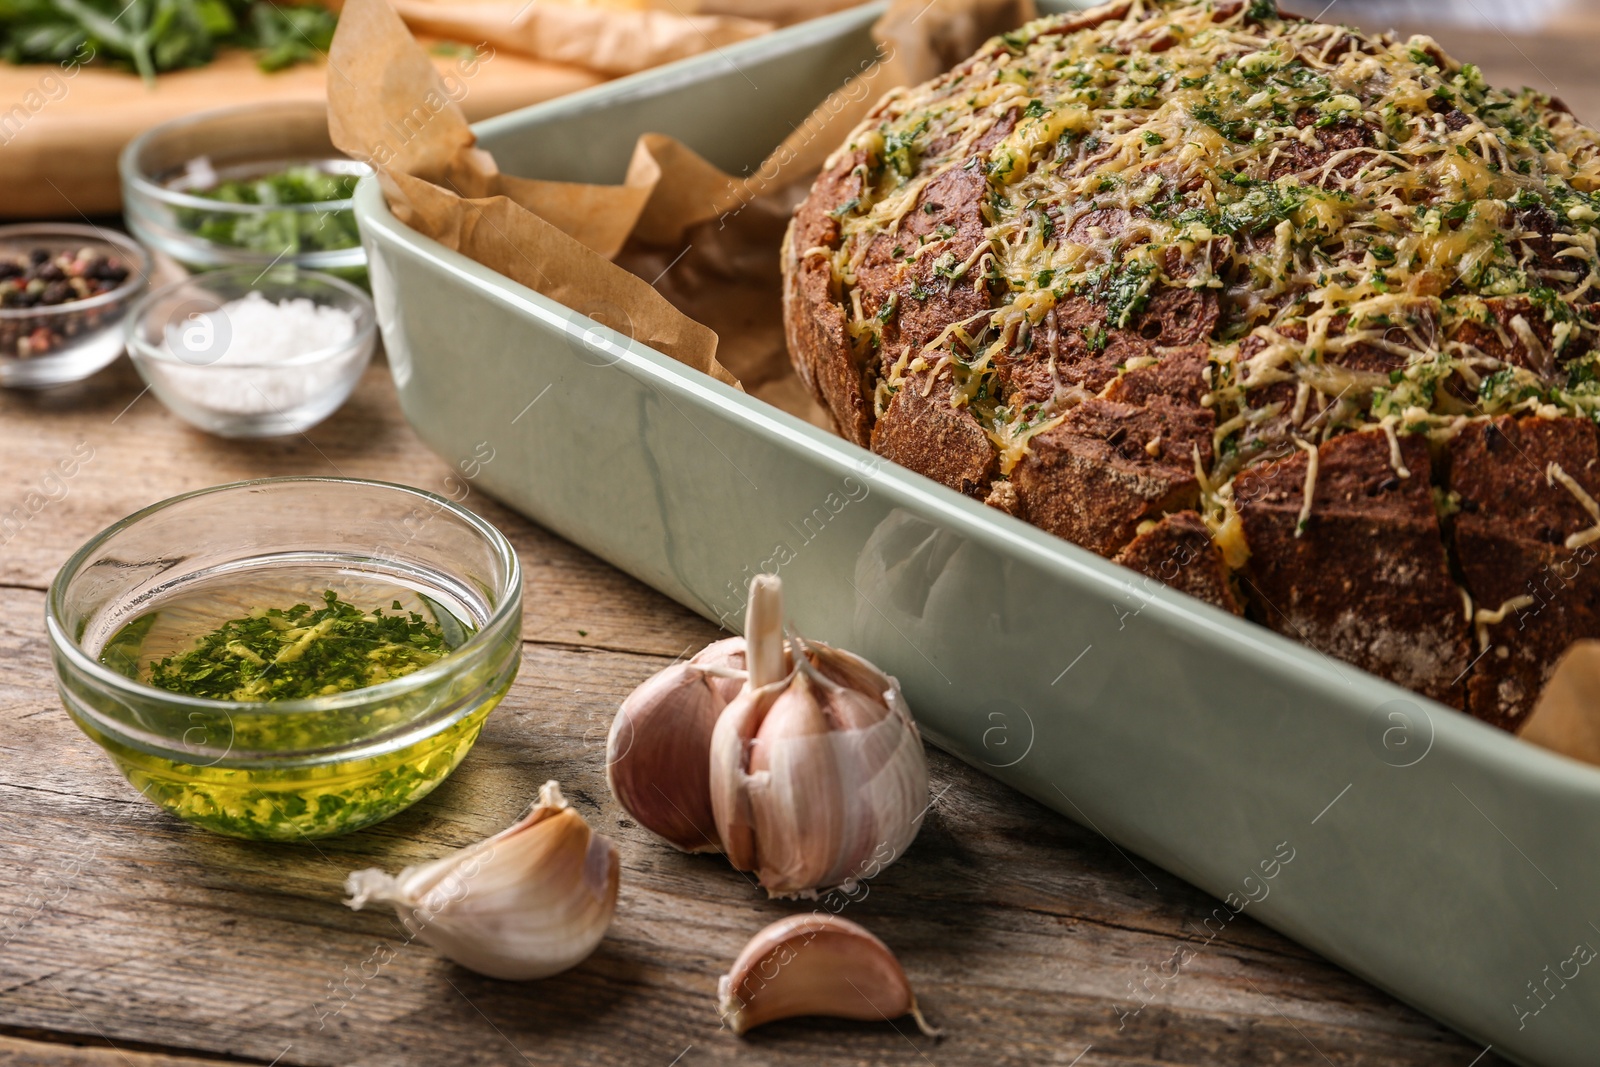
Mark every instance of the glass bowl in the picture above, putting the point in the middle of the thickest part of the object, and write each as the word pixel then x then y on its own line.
pixel 165 170
pixel 291 769
pixel 189 350
pixel 52 344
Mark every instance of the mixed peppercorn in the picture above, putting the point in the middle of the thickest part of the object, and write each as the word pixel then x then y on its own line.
pixel 39 279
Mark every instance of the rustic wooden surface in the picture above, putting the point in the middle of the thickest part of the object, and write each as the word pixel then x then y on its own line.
pixel 152 943
pixel 129 938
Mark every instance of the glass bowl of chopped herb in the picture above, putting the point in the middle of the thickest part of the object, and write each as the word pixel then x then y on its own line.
pixel 64 291
pixel 289 658
pixel 247 186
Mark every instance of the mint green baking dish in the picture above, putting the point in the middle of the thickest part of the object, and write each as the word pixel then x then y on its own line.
pixel 1432 855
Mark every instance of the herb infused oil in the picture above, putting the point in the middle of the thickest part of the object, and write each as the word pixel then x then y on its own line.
pixel 267 643
pixel 293 634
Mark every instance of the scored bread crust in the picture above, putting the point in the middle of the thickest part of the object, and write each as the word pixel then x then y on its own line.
pixel 1300 321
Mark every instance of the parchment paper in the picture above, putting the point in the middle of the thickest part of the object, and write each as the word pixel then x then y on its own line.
pixel 605 38
pixel 708 240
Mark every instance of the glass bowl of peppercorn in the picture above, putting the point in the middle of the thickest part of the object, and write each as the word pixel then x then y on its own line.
pixel 64 290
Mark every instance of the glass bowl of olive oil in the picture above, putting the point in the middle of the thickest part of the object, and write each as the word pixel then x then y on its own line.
pixel 289 658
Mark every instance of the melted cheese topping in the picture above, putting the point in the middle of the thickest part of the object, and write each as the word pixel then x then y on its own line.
pixel 1485 619
pixel 1408 247
pixel 1554 473
pixel 1309 493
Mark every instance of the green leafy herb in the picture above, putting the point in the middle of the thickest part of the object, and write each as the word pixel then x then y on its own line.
pixel 288 232
pixel 1123 290
pixel 293 654
pixel 1236 130
pixel 1582 373
pixel 1259 210
pixel 899 149
pixel 1508 387
pixel 152 36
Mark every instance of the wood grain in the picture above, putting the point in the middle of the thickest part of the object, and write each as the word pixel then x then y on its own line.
pixel 150 943
pixel 20 1052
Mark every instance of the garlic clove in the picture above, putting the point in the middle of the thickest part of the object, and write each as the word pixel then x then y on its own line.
pixel 797 711
pixel 815 965
pixel 854 693
pixel 791 772
pixel 531 901
pixel 768 658
pixel 848 670
pixel 731 739
pixel 814 783
pixel 658 751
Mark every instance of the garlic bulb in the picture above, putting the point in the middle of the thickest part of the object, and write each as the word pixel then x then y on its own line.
pixel 818 776
pixel 658 755
pixel 529 902
pixel 815 965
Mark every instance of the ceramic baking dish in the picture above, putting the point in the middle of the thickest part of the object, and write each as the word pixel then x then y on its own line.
pixel 1446 862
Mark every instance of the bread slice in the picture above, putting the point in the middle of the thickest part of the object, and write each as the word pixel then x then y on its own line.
pixel 1511 543
pixel 1362 576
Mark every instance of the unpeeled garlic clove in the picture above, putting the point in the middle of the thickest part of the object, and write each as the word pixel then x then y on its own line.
pixel 529 902
pixel 818 776
pixel 658 755
pixel 815 965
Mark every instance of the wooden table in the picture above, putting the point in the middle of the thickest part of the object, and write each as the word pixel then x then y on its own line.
pixel 130 938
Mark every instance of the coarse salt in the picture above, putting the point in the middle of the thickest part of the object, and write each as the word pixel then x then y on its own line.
pixel 256 357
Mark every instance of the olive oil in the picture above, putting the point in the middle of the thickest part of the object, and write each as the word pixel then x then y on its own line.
pixel 283 639
pixel 299 633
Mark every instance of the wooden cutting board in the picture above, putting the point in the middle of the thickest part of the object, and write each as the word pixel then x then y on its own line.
pixel 59 136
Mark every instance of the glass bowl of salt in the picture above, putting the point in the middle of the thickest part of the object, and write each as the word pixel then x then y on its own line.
pixel 243 352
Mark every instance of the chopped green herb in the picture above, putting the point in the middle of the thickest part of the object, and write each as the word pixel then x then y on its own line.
pixel 1236 130
pixel 289 232
pixel 899 149
pixel 294 654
